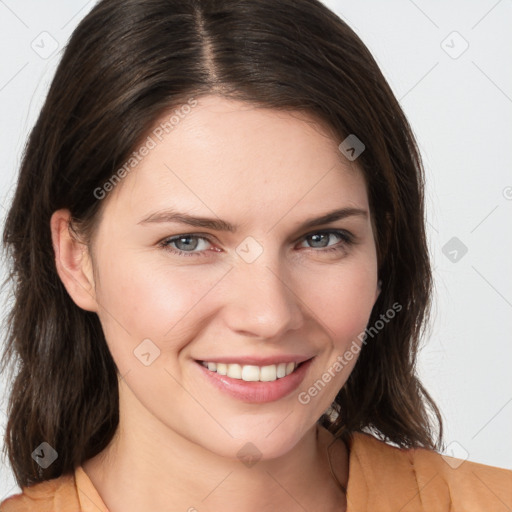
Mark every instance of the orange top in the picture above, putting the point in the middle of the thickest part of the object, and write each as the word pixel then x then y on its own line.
pixel 382 478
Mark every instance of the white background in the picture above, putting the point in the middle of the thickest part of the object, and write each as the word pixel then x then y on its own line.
pixel 461 112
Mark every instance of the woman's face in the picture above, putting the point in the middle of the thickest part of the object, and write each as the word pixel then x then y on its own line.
pixel 208 252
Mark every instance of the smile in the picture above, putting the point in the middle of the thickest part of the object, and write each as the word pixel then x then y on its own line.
pixel 252 373
pixel 252 383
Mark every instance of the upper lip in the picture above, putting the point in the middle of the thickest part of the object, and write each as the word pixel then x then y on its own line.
pixel 257 360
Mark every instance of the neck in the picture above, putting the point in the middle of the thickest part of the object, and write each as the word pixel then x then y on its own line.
pixel 148 466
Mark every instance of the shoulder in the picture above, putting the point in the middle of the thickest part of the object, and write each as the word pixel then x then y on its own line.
pixel 58 494
pixel 419 479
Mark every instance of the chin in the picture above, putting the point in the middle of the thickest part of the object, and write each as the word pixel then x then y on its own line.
pixel 261 440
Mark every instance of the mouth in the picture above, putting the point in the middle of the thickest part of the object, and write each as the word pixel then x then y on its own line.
pixel 252 373
pixel 254 383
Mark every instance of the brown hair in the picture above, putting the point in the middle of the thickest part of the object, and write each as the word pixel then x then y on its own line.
pixel 127 63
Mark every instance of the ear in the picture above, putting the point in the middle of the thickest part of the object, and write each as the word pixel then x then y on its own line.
pixel 73 262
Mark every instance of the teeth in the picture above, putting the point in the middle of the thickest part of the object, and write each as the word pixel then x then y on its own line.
pixel 234 371
pixel 251 373
pixel 268 373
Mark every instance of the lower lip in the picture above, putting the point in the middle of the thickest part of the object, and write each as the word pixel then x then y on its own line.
pixel 257 392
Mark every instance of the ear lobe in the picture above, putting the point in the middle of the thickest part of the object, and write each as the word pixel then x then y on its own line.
pixel 73 262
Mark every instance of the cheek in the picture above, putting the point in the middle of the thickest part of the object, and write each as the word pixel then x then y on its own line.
pixel 342 300
pixel 157 303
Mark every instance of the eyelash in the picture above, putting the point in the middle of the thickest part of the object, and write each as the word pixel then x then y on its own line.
pixel 347 239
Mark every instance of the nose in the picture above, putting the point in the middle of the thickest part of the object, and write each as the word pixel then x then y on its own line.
pixel 261 301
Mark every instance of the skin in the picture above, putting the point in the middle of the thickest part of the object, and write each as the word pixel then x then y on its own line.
pixel 268 172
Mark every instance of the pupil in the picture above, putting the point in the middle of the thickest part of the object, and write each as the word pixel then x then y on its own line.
pixel 187 245
pixel 317 238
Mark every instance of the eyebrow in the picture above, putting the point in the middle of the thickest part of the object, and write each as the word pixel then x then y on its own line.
pixel 217 224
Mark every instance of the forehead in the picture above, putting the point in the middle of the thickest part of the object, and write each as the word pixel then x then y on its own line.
pixel 229 156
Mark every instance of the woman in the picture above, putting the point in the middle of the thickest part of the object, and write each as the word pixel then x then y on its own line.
pixel 218 240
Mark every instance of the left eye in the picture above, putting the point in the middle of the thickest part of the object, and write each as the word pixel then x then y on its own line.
pixel 318 240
